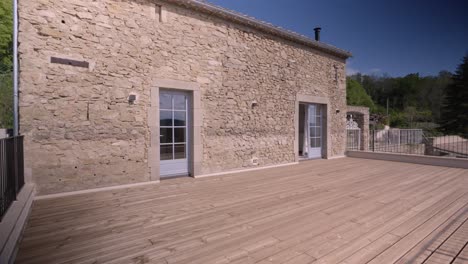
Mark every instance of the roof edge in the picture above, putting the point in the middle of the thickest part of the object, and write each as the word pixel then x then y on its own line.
pixel 236 17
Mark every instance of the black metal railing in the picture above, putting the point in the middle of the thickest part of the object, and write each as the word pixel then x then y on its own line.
pixel 11 171
pixel 419 142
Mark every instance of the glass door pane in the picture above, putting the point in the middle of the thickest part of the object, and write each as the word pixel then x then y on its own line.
pixel 179 135
pixel 315 130
pixel 174 129
pixel 165 118
pixel 173 125
pixel 180 151
pixel 165 135
pixel 166 152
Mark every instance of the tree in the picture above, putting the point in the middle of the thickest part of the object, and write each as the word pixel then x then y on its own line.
pixel 454 119
pixel 6 34
pixel 6 100
pixel 413 100
pixel 431 93
pixel 6 62
pixel 356 95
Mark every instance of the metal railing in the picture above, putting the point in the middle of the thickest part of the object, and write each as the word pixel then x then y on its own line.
pixel 11 171
pixel 353 139
pixel 417 141
pixel 407 141
pixel 448 146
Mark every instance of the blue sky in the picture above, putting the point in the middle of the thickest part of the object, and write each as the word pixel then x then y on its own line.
pixel 386 37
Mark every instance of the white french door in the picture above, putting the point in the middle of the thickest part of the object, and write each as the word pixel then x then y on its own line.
pixel 315 117
pixel 174 131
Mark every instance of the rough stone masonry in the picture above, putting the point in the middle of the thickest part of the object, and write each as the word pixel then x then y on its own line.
pixel 81 132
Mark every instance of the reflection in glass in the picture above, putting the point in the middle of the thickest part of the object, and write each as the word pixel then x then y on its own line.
pixel 165 135
pixel 312 132
pixel 179 102
pixel 179 118
pixel 315 132
pixel 173 122
pixel 166 152
pixel 179 151
pixel 315 142
pixel 179 135
pixel 165 101
pixel 312 110
pixel 165 118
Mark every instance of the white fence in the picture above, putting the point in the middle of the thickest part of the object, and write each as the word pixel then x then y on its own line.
pixel 353 139
pixel 413 141
pixel 398 136
pixel 407 141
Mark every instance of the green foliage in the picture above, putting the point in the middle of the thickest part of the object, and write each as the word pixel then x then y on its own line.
pixel 412 99
pixel 6 34
pixel 410 118
pixel 379 114
pixel 454 119
pixel 6 62
pixel 356 95
pixel 6 100
pixel 398 119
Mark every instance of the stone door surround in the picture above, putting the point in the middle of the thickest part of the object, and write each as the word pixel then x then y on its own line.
pixel 195 142
pixel 309 99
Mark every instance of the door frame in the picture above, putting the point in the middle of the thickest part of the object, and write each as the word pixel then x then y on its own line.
pixel 188 147
pixel 326 142
pixel 195 123
pixel 318 150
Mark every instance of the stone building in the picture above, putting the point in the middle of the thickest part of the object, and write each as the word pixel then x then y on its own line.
pixel 117 92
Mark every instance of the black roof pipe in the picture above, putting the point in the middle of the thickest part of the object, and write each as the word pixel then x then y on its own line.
pixel 317 33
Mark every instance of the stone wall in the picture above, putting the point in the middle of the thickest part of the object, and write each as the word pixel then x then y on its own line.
pixel 361 116
pixel 81 132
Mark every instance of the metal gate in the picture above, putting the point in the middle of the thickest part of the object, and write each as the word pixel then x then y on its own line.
pixel 353 139
pixel 353 135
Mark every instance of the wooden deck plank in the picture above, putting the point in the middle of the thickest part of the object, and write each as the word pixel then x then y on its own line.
pixel 323 211
pixel 389 223
pixel 294 227
pixel 173 203
pixel 371 220
pixel 367 253
pixel 451 247
pixel 375 219
pixel 462 257
pixel 432 242
pixel 413 237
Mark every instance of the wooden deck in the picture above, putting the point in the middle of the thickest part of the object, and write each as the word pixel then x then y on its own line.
pixel 324 211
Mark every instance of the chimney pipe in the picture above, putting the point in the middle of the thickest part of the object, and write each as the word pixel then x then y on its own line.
pixel 317 33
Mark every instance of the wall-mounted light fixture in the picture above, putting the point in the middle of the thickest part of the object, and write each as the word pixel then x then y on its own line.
pixel 131 99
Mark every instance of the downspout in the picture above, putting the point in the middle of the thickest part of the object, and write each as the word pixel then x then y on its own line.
pixel 15 69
